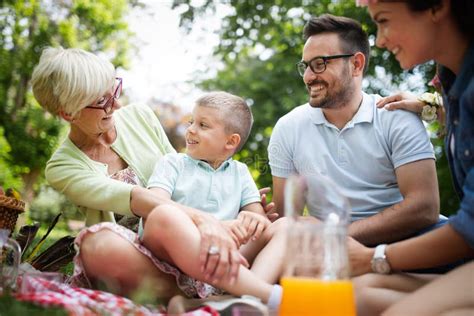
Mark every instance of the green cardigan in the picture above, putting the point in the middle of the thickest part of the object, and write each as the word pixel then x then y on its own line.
pixel 141 142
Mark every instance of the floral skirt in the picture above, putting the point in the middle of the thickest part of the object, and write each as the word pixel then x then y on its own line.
pixel 190 286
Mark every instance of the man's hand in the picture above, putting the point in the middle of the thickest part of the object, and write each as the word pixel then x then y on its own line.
pixel 269 208
pixel 360 257
pixel 253 223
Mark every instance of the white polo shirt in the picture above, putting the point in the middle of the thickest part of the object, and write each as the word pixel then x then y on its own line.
pixel 361 158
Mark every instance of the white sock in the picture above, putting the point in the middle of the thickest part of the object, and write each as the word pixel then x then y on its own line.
pixel 275 297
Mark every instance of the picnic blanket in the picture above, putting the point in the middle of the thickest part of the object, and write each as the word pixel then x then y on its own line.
pixel 85 302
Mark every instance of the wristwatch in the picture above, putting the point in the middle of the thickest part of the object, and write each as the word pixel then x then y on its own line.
pixel 379 260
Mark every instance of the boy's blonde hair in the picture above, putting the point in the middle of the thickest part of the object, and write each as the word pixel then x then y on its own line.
pixel 234 113
pixel 70 79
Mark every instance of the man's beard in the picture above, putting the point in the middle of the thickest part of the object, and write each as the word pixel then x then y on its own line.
pixel 338 97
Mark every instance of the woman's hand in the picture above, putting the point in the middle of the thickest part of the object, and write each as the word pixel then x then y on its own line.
pixel 360 257
pixel 269 208
pixel 253 223
pixel 402 100
pixel 219 256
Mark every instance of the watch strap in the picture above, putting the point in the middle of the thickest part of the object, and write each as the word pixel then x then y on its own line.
pixel 379 260
pixel 380 251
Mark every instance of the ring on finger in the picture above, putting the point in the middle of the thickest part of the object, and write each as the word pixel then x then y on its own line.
pixel 213 250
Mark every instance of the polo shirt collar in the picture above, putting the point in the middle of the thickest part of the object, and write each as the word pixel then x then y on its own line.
pixel 365 114
pixel 206 166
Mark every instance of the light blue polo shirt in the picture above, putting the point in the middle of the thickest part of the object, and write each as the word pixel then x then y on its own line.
pixel 221 192
pixel 361 158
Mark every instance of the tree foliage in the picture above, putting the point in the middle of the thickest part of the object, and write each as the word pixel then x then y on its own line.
pixel 29 134
pixel 260 43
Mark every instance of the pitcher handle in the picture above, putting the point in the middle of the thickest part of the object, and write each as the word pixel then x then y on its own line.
pixel 13 244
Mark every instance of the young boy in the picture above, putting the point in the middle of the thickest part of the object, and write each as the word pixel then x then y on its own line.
pixel 206 178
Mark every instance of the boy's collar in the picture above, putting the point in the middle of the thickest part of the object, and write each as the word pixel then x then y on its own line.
pixel 205 164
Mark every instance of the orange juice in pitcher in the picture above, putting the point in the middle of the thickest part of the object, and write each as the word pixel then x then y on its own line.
pixel 309 296
pixel 316 275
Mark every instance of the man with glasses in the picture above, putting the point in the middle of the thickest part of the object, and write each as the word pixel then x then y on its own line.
pixel 382 161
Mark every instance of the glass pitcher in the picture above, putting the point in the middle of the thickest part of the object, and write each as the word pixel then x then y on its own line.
pixel 316 277
pixel 10 253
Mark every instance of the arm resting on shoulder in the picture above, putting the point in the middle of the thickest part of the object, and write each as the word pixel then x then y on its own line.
pixel 419 209
pixel 401 101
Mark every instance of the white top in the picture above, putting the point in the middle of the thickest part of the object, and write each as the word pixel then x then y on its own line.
pixel 221 192
pixel 361 158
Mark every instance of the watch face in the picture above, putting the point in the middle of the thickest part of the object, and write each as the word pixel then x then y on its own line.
pixel 380 265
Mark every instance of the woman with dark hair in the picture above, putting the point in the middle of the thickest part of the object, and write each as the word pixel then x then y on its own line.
pixel 417 32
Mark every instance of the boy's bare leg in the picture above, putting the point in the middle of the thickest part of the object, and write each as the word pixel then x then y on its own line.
pixel 171 235
pixel 266 255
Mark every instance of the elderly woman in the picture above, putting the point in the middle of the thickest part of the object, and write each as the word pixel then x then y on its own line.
pixel 418 31
pixel 103 167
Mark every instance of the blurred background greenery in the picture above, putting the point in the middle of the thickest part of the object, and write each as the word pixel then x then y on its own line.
pixel 260 42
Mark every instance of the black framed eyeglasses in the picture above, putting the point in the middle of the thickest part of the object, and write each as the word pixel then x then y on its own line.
pixel 318 64
pixel 110 101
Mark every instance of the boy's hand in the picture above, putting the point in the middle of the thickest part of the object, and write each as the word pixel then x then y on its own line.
pixel 223 261
pixel 237 231
pixel 253 223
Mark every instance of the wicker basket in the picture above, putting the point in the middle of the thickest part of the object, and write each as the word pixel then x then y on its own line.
pixel 10 208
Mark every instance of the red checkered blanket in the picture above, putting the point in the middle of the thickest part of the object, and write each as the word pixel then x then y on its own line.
pixel 81 301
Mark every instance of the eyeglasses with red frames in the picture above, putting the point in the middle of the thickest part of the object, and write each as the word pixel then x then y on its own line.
pixel 109 103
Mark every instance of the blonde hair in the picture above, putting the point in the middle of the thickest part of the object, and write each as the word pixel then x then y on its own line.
pixel 234 113
pixel 70 79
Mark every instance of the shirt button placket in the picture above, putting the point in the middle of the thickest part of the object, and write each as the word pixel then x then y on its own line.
pixel 340 150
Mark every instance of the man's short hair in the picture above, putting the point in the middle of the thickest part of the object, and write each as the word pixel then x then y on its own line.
pixel 353 37
pixel 70 79
pixel 234 113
